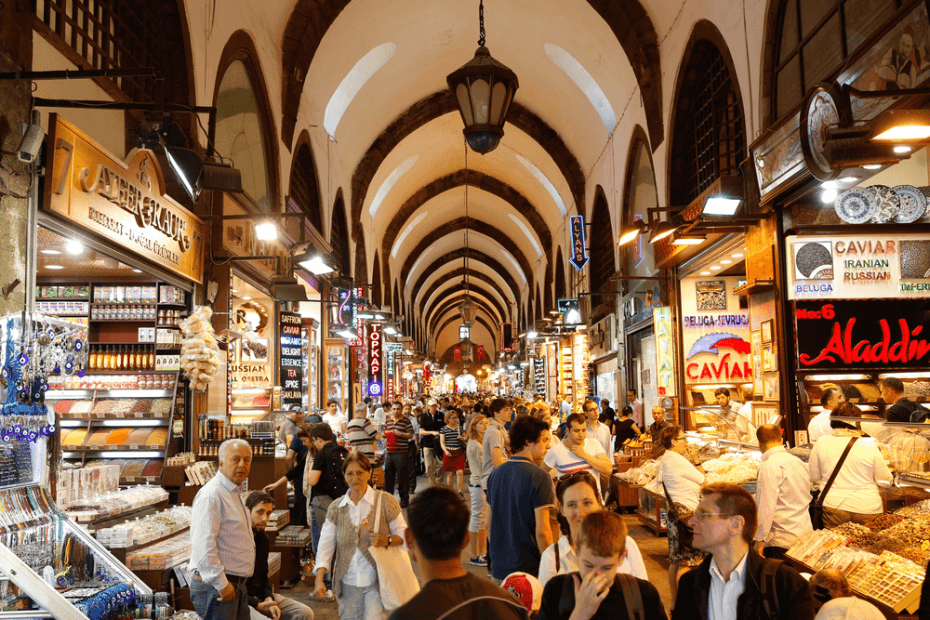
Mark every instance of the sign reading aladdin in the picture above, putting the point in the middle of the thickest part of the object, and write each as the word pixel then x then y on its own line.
pixel 122 201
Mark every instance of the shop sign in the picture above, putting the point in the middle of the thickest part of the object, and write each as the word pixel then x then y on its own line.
pixel 715 335
pixel 858 267
pixel 579 256
pixel 124 202
pixel 390 350
pixel 539 376
pixel 862 334
pixel 348 314
pixel 665 350
pixel 291 360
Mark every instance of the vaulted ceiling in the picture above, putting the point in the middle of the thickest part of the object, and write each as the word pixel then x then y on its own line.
pixel 414 194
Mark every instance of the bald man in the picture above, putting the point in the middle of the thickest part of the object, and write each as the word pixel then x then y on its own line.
pixel 782 495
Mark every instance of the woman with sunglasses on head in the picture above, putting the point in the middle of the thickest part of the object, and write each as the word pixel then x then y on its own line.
pixel 683 482
pixel 577 498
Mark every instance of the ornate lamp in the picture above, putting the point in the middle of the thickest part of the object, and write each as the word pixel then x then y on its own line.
pixel 484 89
pixel 468 310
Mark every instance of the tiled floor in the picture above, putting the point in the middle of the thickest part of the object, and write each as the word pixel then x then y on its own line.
pixel 653 549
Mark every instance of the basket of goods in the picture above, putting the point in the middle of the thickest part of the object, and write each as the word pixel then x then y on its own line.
pixel 199 351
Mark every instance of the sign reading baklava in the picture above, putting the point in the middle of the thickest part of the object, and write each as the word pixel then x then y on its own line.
pixel 124 202
pixel 291 360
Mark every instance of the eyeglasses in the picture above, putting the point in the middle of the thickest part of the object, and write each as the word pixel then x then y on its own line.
pixel 705 516
pixel 591 409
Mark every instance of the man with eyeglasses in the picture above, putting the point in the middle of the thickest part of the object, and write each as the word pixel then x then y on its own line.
pixel 734 582
pixel 595 429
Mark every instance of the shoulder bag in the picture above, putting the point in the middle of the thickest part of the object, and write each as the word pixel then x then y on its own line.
pixel 817 505
pixel 397 583
pixel 677 516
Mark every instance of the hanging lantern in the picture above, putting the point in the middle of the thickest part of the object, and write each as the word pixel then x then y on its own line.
pixel 468 310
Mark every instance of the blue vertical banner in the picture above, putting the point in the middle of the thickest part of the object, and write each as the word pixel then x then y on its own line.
pixel 579 256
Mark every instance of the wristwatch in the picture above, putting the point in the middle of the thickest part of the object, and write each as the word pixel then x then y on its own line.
pixel 388 542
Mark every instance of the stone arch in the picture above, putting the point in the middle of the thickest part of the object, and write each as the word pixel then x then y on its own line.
pixel 455 274
pixel 494 332
pixel 304 185
pixel 705 39
pixel 458 294
pixel 241 47
pixel 601 244
pixel 559 277
pixel 360 273
pixel 628 20
pixel 436 311
pixel 441 103
pixel 473 256
pixel 339 236
pixel 473 225
pixel 376 296
pixel 395 307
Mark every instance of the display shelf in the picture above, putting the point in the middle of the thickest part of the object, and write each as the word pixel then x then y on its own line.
pixel 651 511
pixel 96 523
pixel 758 285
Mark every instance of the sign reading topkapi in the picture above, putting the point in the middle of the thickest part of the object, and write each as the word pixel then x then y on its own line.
pixel 124 202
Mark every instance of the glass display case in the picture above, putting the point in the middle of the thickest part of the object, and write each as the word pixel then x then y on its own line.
pixel 725 425
pixel 335 374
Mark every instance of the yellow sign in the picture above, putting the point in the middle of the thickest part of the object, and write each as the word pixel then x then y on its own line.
pixel 124 202
pixel 665 350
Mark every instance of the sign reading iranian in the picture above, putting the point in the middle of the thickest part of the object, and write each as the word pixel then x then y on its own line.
pixel 715 333
pixel 291 360
pixel 862 334
pixel 857 267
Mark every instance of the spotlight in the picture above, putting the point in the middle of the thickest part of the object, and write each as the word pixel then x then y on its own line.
pixel 74 247
pixel 314 261
pixel 266 231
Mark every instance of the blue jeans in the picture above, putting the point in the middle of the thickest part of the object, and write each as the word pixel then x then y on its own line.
pixel 360 603
pixel 315 542
pixel 204 596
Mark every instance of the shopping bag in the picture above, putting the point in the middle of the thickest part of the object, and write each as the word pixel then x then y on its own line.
pixel 396 581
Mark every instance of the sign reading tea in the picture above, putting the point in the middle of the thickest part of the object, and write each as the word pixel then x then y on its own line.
pixel 291 360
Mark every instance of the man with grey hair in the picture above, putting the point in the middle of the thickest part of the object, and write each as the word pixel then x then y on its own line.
pixel 361 433
pixel 222 547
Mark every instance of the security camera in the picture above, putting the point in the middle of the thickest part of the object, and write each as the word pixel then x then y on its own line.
pixel 33 134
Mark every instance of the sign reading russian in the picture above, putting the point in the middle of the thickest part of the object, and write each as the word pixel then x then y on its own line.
pixel 579 255
pixel 291 360
pixel 124 202
pixel 862 334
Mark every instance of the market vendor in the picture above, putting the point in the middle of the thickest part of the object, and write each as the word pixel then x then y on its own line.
pixel 730 412
pixel 655 429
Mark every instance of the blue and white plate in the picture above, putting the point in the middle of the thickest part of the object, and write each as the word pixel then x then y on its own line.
pixel 887 202
pixel 856 205
pixel 913 204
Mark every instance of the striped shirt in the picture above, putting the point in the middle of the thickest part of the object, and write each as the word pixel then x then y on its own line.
pixel 361 433
pixel 565 462
pixel 402 426
pixel 221 534
pixel 453 437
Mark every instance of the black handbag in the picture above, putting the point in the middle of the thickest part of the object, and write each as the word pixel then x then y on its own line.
pixel 677 516
pixel 817 504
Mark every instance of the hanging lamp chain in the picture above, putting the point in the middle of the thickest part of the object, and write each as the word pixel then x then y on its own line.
pixel 481 36
pixel 466 217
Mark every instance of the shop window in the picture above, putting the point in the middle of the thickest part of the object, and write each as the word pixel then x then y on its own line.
pixel 361 263
pixel 304 188
pixel 240 133
pixel 376 297
pixel 339 238
pixel 601 244
pixel 714 132
pixel 815 38
pixel 559 277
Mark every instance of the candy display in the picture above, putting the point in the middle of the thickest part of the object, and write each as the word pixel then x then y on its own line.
pixel 114 503
pixel 293 535
pixel 199 351
pixel 163 555
pixel 642 475
pixel 140 531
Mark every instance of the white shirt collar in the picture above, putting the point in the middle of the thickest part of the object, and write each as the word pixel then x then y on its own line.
pixel 369 497
pixel 565 548
pixel 738 573
pixel 772 451
pixel 225 482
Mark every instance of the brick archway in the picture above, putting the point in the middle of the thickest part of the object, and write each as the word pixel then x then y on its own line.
pixel 436 311
pixel 454 275
pixel 490 300
pixel 453 319
pixel 474 256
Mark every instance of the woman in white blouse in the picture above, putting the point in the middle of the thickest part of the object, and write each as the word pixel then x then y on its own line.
pixel 578 497
pixel 683 482
pixel 854 495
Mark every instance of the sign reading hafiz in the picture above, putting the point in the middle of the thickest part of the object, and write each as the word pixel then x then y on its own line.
pixel 124 202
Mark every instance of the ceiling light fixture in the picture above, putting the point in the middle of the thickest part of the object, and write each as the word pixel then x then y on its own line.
pixel 661 230
pixel 631 231
pixel 54 267
pixel 715 268
pixel 872 166
pixel 721 205
pixel 736 255
pixel 137 271
pixel 706 273
pixel 74 247
pixel 266 231
pixel 902 149
pixel 848 179
pixel 689 240
pixel 901 125
pixel 828 195
pixel 314 261
pixel 50 252
pixel 484 89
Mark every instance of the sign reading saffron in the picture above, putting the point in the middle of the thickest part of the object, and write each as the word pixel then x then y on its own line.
pixel 863 334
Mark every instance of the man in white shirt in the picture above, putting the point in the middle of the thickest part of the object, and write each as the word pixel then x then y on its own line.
pixel 576 453
pixel 379 417
pixel 222 546
pixel 565 407
pixel 637 405
pixel 336 420
pixel 782 495
pixel 730 412
pixel 819 425
pixel 728 583
pixel 595 429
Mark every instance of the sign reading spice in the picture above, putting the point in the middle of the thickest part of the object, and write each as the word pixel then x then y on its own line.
pixel 124 202
pixel 862 334
pixel 292 374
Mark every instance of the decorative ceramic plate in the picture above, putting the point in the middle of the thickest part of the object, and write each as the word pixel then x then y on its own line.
pixel 887 202
pixel 913 204
pixel 856 205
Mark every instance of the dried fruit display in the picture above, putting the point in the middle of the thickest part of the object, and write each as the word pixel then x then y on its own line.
pixel 883 522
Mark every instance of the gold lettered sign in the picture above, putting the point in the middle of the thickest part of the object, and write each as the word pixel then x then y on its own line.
pixel 124 202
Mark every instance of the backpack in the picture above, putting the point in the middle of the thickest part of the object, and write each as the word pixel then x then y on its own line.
pixel 767 587
pixel 629 586
pixel 332 482
pixel 920 414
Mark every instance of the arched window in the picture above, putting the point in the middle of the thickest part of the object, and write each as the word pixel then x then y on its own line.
pixel 559 277
pixel 538 304
pixel 601 244
pixel 376 296
pixel 361 263
pixel 241 131
pixel 304 187
pixel 814 38
pixel 708 139
pixel 339 238
pixel 640 196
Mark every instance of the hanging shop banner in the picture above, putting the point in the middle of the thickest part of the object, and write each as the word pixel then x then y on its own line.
pixel 539 376
pixel 865 334
pixel 291 360
pixel 374 360
pixel 715 332
pixel 579 256
pixel 480 355
pixel 457 354
pixel 859 267
pixel 665 350
pixel 124 202
pixel 390 350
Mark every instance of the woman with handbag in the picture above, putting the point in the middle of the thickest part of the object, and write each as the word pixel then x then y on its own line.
pixel 849 470
pixel 578 496
pixel 682 485
pixel 453 450
pixel 356 523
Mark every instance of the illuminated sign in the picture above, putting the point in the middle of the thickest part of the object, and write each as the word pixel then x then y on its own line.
pixel 374 352
pixel 579 255
pixel 290 359
pixel 665 350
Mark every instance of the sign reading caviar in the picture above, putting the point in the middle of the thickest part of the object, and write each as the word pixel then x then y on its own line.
pixel 292 373
pixel 862 334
